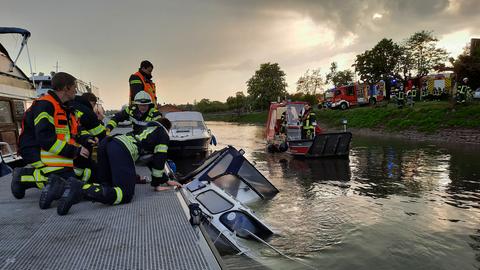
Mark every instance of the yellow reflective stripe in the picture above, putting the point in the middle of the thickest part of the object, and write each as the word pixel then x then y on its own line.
pixel 87 173
pixel 145 133
pixel 58 162
pixel 96 130
pixel 57 147
pixel 136 82
pixel 78 171
pixel 37 164
pixel 78 114
pixel 160 148
pixel 87 186
pixel 43 115
pixel 84 132
pixel 157 173
pixel 47 170
pixel 130 143
pixel 27 178
pixel 39 177
pixel 112 123
pixel 51 159
pixel 119 193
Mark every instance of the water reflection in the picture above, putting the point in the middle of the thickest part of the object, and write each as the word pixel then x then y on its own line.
pixel 392 205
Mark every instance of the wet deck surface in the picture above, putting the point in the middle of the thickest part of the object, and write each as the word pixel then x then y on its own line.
pixel 151 232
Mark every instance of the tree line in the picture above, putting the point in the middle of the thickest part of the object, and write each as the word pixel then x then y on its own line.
pixel 412 58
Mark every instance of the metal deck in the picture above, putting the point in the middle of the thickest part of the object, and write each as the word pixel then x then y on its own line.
pixel 151 232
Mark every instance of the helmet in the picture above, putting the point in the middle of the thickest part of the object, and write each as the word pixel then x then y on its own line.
pixel 142 97
pixel 465 79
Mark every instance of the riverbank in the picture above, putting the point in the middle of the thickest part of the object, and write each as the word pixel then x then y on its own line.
pixel 426 121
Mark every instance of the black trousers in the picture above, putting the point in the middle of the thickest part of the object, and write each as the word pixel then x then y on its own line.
pixel 116 169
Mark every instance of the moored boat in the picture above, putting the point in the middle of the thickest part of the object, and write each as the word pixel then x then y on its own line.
pixel 16 94
pixel 285 134
pixel 189 134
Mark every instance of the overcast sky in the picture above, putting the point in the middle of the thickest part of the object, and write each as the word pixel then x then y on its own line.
pixel 209 49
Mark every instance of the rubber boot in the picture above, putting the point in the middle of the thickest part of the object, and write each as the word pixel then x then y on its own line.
pixel 52 191
pixel 17 186
pixel 73 194
pixel 98 193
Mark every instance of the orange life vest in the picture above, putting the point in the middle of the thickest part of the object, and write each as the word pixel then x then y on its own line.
pixel 65 129
pixel 148 87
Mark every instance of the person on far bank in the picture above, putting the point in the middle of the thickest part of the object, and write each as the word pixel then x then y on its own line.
pixel 142 81
pixel 463 90
pixel 139 113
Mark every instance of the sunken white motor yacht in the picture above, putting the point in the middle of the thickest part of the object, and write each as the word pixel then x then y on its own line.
pixel 217 194
pixel 189 135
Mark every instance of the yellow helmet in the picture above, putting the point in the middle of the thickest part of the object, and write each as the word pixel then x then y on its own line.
pixel 142 97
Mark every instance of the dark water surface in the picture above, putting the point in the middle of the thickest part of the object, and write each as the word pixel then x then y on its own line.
pixel 393 205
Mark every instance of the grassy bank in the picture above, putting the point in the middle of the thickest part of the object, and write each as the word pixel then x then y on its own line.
pixel 250 118
pixel 424 117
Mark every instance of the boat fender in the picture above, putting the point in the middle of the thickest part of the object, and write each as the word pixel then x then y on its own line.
pixel 195 213
pixel 172 165
pixel 213 141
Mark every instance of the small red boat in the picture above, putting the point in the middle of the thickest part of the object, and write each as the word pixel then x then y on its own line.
pixel 285 134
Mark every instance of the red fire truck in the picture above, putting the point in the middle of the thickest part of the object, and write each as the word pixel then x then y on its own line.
pixel 347 96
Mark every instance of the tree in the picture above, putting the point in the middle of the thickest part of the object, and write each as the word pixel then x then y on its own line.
pixel 378 63
pixel 468 65
pixel 267 85
pixel 310 82
pixel 237 103
pixel 421 54
pixel 338 78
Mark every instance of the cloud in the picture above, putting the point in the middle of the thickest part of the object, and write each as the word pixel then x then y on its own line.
pixel 211 48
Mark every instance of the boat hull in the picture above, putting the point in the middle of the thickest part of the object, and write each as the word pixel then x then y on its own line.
pixel 323 145
pixel 188 147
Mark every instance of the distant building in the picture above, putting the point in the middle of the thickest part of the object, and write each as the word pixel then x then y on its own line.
pixel 474 45
pixel 169 108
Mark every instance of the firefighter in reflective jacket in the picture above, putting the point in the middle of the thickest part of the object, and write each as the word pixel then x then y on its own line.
pixel 142 81
pixel 462 90
pixel 47 142
pixel 89 125
pixel 140 113
pixel 308 123
pixel 116 164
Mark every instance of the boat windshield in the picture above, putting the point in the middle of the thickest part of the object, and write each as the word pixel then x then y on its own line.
pixel 231 171
pixel 188 124
pixel 293 113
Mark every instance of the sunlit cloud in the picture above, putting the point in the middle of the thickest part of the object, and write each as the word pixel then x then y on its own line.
pixel 377 16
pixel 455 42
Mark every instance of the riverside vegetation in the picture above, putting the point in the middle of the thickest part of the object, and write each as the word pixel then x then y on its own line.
pixel 426 117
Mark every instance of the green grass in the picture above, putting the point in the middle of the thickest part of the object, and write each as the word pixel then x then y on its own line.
pixel 424 116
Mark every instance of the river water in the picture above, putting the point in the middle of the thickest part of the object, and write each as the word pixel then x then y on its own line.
pixel 392 205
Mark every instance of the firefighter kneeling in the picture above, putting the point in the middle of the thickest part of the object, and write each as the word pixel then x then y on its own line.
pixel 116 167
pixel 48 142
